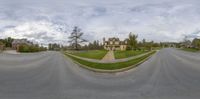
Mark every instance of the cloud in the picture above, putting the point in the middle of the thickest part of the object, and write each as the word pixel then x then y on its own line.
pixel 38 31
pixel 46 21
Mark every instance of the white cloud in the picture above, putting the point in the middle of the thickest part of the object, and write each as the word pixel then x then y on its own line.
pixel 37 31
pixel 45 21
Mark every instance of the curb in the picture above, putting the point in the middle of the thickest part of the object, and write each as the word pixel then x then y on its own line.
pixel 101 61
pixel 110 71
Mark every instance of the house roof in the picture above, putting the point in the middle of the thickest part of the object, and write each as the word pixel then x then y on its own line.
pixel 21 41
pixel 113 39
pixel 116 39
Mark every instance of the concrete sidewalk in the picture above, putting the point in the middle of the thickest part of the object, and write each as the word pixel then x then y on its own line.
pixel 109 56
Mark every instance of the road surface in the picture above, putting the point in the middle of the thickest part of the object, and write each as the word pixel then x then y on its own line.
pixel 169 74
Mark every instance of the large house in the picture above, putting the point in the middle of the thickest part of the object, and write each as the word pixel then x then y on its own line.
pixel 17 42
pixel 115 44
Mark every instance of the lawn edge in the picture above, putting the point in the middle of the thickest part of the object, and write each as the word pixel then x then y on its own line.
pixel 111 71
pixel 130 56
pixel 88 57
pixel 187 50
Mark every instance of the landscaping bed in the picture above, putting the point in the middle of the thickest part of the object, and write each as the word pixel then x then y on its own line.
pixel 111 66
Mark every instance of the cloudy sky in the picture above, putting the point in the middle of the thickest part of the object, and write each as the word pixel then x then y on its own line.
pixel 48 21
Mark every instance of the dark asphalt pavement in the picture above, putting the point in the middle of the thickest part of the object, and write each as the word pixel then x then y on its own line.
pixel 169 74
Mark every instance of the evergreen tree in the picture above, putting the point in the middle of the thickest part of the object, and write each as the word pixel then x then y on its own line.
pixel 75 39
pixel 132 41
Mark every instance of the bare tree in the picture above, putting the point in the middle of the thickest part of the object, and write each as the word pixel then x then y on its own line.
pixel 75 39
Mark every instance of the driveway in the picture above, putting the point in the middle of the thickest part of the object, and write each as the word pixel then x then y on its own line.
pixel 169 74
pixel 10 52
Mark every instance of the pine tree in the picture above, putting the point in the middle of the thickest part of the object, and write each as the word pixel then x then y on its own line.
pixel 75 39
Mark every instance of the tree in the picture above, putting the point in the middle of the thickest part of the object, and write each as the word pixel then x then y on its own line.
pixel 196 43
pixel 30 48
pixel 132 41
pixel 95 45
pixel 156 45
pixel 1 46
pixel 9 41
pixel 75 39
pixel 148 46
pixel 50 47
pixel 186 43
pixel 143 42
pixel 54 47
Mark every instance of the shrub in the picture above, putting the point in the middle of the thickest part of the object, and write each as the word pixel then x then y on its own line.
pixel 30 48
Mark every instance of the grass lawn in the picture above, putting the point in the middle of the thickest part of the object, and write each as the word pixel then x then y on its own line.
pixel 111 66
pixel 93 54
pixel 190 49
pixel 125 54
pixel 156 48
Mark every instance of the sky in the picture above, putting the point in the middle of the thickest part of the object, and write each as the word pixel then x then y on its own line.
pixel 51 21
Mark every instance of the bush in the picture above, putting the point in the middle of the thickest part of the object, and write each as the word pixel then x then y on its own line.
pixel 23 48
pixel 30 48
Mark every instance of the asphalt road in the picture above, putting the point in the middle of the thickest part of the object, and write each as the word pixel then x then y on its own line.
pixel 169 74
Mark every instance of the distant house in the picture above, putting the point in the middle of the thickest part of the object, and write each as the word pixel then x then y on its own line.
pixel 170 44
pixel 115 44
pixel 17 42
pixel 186 44
pixel 1 46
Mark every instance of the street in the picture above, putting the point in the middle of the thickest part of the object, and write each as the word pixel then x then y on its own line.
pixel 169 74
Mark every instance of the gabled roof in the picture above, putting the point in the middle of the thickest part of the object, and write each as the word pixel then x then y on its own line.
pixel 21 41
pixel 116 40
pixel 113 39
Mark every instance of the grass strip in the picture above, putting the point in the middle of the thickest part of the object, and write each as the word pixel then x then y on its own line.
pixel 126 54
pixel 93 54
pixel 111 66
pixel 190 49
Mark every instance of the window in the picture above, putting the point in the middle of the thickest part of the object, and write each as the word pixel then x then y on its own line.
pixel 117 43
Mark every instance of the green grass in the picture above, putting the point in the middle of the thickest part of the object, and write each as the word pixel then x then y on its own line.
pixel 190 49
pixel 93 54
pixel 126 54
pixel 111 66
